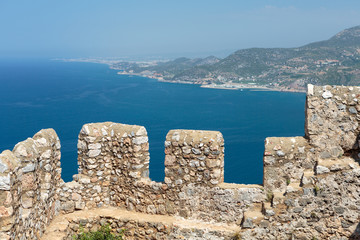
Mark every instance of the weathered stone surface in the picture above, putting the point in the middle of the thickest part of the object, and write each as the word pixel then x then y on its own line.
pixel 248 223
pixel 321 169
pixel 75 196
pixel 5 212
pixel 327 94
pixel 94 153
pixel 68 206
pixel 46 154
pixel 352 110
pixel 27 202
pixel 280 153
pixel 29 168
pixel 3 166
pixel 28 182
pixel 140 140
pixel 194 157
pixel 94 146
pixel 28 206
pixel 170 160
pixel 79 205
pixel 5 182
pixel 41 142
pixel 20 151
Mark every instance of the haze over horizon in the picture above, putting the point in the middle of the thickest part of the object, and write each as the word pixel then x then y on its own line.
pixel 89 28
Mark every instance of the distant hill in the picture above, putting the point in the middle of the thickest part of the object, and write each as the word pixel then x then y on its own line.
pixel 347 38
pixel 333 61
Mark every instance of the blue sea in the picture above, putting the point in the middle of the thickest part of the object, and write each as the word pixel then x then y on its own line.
pixel 37 94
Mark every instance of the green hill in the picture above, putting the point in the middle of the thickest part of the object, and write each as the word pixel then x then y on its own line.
pixel 333 61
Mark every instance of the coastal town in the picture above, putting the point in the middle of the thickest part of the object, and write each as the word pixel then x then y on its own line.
pixel 205 83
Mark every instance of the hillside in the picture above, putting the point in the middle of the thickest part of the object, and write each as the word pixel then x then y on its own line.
pixel 333 61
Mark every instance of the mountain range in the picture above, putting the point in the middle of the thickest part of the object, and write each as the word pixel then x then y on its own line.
pixel 332 61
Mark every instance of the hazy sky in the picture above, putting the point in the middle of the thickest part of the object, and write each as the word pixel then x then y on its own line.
pixel 84 28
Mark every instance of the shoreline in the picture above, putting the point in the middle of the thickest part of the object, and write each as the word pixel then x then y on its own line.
pixel 225 86
pixel 229 86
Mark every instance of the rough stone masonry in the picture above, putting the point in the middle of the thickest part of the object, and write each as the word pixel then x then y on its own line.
pixel 310 188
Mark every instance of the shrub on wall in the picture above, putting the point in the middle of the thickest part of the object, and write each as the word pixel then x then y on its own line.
pixel 104 233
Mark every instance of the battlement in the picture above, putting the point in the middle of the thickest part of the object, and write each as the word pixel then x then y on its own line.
pixel 309 187
pixel 114 171
pixel 194 157
pixel 29 180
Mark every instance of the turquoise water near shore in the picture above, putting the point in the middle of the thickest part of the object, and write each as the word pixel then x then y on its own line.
pixel 36 94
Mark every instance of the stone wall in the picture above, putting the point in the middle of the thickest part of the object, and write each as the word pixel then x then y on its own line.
pixel 29 179
pixel 139 226
pixel 312 183
pixel 133 229
pixel 114 169
pixel 310 188
pixel 194 157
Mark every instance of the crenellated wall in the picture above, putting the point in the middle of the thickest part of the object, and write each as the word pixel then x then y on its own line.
pixel 310 188
pixel 312 181
pixel 114 169
pixel 29 180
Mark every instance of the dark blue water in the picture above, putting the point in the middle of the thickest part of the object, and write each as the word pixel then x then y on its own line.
pixel 64 96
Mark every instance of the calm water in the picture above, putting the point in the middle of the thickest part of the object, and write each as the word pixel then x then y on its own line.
pixel 64 96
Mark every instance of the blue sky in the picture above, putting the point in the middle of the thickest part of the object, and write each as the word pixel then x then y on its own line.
pixel 116 28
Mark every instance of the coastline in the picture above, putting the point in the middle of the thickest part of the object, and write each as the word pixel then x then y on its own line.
pixel 231 86
pixel 225 86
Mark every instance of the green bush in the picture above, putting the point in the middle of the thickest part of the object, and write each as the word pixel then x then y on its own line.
pixel 104 233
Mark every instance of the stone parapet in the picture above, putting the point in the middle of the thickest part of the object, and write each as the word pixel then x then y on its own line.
pixel 113 171
pixel 110 155
pixel 285 162
pixel 310 187
pixel 194 157
pixel 29 198
pixel 8 163
pixel 332 119
pixel 103 146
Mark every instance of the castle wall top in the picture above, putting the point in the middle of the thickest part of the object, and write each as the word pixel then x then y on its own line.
pixel 194 157
pixel 29 179
pixel 332 118
pixel 114 169
pixel 306 179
